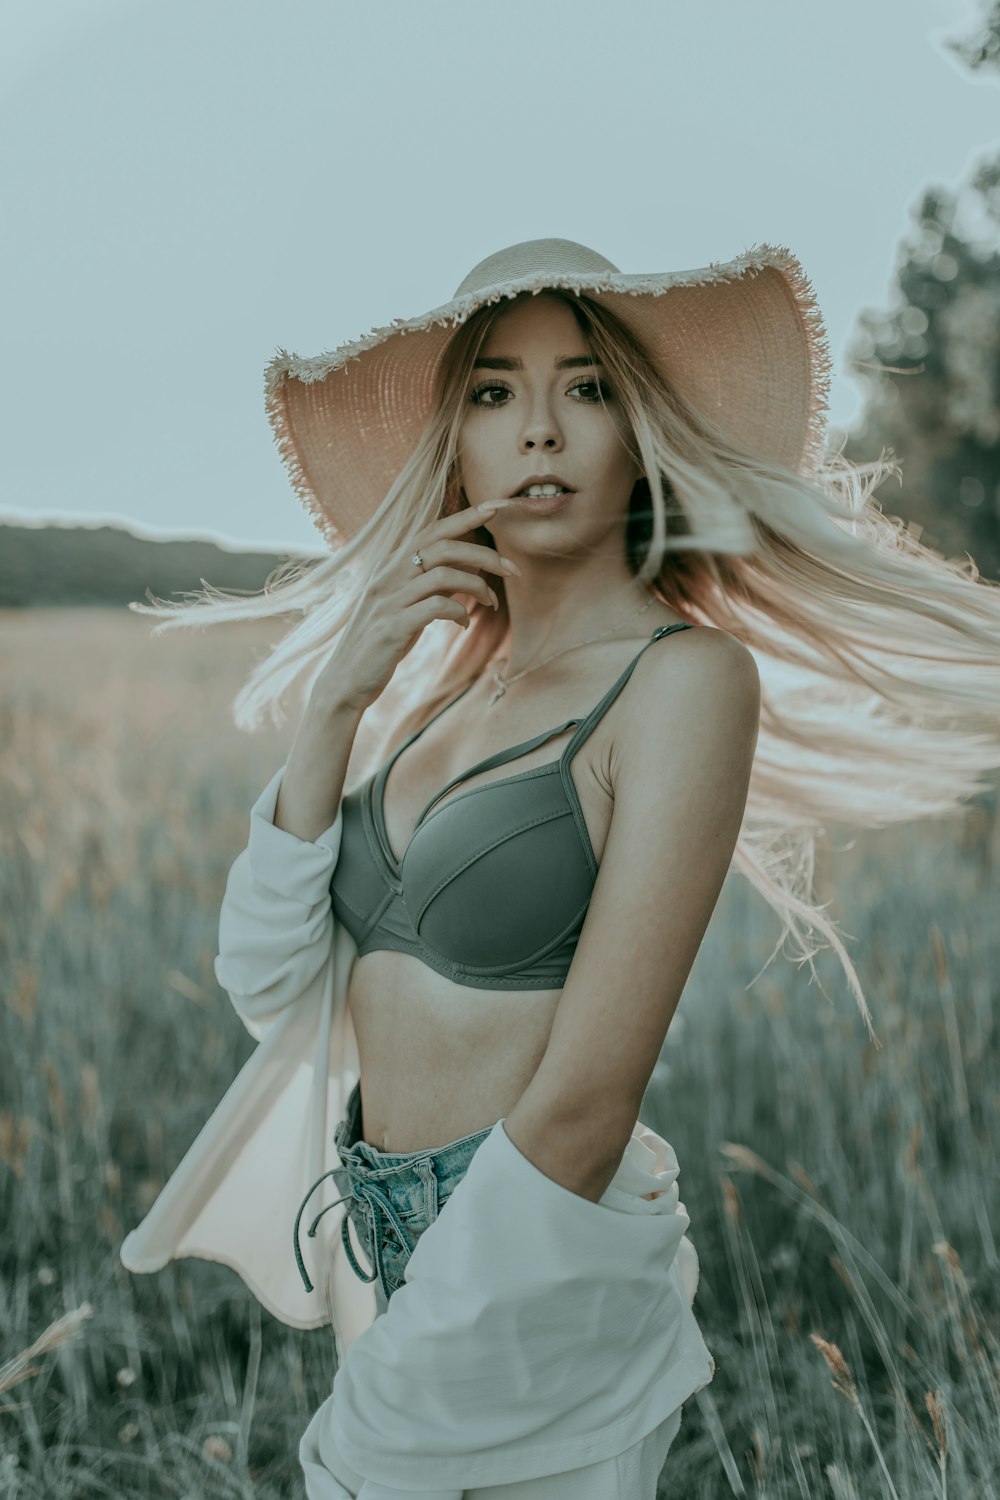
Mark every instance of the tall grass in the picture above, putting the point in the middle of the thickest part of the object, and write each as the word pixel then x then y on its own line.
pixel 843 1200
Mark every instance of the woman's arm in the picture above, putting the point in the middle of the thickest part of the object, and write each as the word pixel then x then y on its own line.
pixel 276 927
pixel 313 783
pixel 276 921
pixel 681 779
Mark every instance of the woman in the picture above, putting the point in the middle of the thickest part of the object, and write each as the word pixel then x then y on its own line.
pixel 479 883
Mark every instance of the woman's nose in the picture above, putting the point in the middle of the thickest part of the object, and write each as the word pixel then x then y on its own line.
pixel 540 432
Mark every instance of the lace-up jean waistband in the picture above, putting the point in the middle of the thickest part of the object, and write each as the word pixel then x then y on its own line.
pixel 392 1197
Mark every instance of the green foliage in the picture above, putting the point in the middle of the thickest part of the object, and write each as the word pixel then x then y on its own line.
pixel 931 365
pixel 982 49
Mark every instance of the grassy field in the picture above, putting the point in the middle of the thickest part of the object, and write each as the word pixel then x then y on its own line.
pixel 843 1200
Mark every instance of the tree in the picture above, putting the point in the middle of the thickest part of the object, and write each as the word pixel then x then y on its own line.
pixel 983 50
pixel 931 362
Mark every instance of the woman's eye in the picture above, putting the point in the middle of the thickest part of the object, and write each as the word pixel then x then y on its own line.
pixel 481 390
pixel 595 385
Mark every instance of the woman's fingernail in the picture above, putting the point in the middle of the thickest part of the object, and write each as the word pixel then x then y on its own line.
pixel 487 510
pixel 510 565
pixel 496 601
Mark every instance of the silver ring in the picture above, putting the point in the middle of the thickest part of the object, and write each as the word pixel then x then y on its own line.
pixel 417 561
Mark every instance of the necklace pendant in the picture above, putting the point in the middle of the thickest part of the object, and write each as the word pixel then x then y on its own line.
pixel 501 688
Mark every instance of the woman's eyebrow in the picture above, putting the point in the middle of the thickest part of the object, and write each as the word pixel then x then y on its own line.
pixel 499 362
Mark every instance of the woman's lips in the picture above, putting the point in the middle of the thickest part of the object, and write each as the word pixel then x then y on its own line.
pixel 544 505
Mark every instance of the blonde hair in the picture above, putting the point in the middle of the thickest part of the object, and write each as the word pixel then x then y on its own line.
pixel 877 656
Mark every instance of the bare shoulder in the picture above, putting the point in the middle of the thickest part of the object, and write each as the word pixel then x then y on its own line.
pixel 697 687
pixel 701 660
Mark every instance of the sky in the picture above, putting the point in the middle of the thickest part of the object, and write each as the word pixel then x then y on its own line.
pixel 188 186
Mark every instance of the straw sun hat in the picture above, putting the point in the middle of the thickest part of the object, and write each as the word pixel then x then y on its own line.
pixel 742 340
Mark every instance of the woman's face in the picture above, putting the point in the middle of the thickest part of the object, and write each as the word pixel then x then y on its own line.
pixel 544 416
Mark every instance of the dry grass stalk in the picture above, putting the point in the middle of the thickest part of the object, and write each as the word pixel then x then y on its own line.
pixel 845 1275
pixel 62 1331
pixel 841 1483
pixel 940 955
pixel 57 1099
pixel 15 1140
pixel 938 1449
pixel 731 1202
pixel 755 1457
pixel 90 1091
pixel 22 997
pixel 939 1421
pixel 912 1149
pixel 838 1366
pixel 805 1182
pixel 949 1255
pixel 744 1157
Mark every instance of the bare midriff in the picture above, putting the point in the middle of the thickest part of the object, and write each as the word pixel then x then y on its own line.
pixel 441 1060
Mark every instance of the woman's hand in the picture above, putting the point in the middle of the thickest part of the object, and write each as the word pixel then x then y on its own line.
pixel 402 598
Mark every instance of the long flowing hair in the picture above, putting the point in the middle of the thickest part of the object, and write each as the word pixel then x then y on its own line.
pixel 877 656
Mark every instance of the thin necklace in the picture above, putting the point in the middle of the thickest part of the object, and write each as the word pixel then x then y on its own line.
pixel 502 685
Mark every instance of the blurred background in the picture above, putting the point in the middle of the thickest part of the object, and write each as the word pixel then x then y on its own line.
pixel 188 187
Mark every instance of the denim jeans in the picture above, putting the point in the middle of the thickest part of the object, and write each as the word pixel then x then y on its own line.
pixel 394 1196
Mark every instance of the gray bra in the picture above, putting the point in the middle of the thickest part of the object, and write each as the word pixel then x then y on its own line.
pixel 493 888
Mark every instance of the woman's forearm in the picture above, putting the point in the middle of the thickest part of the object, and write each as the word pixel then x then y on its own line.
pixel 313 781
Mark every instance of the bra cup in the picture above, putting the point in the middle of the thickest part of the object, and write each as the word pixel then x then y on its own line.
pixel 357 886
pixel 494 880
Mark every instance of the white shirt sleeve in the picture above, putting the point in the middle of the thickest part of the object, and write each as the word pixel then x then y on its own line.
pixel 276 921
pixel 286 963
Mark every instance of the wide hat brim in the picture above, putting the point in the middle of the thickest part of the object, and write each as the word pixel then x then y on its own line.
pixel 742 340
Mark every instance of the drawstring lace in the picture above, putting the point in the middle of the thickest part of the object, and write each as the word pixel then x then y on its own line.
pixel 373 1198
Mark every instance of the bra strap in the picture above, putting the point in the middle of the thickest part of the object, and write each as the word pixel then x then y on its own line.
pixel 388 765
pixel 596 714
pixel 500 758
